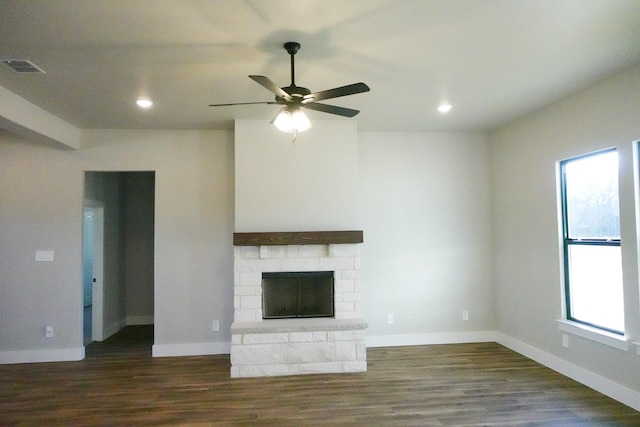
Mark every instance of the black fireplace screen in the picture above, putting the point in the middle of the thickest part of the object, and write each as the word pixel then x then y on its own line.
pixel 297 294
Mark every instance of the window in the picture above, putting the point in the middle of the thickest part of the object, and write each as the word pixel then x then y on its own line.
pixel 591 234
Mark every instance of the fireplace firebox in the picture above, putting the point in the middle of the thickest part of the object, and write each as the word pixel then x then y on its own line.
pixel 297 294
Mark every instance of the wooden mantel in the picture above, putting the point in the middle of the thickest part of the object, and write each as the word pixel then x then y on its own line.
pixel 297 238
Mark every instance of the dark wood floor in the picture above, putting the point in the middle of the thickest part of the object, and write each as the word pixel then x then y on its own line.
pixel 119 383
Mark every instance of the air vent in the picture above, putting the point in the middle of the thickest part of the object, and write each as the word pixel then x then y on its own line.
pixel 22 66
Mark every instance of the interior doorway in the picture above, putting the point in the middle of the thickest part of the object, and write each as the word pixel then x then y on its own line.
pixel 118 253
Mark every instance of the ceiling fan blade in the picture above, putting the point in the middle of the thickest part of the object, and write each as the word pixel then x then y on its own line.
pixel 271 86
pixel 331 109
pixel 351 89
pixel 241 103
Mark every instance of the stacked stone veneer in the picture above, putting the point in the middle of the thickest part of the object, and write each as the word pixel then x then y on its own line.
pixel 269 347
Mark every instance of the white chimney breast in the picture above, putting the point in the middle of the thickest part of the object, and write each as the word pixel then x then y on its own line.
pixel 310 185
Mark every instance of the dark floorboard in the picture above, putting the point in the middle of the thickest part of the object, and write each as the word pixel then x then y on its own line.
pixel 119 383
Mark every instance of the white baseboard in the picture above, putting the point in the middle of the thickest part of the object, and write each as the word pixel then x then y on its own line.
pixel 38 356
pixel 140 320
pixel 605 386
pixel 194 349
pixel 427 339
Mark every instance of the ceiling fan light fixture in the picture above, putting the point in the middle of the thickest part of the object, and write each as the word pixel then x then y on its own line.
pixel 300 121
pixel 291 120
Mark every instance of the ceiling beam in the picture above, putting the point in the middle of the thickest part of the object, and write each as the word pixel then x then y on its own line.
pixel 19 116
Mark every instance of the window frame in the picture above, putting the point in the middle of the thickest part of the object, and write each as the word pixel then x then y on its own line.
pixel 567 242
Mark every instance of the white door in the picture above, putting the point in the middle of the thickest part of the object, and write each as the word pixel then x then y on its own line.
pixel 87 259
pixel 93 275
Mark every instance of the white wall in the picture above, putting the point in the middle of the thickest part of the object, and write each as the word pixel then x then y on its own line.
pixel 524 202
pixel 424 201
pixel 311 185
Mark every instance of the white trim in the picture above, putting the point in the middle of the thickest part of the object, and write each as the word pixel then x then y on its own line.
pixel 140 320
pixel 594 334
pixel 604 385
pixel 433 338
pixel 192 349
pixel 637 344
pixel 39 356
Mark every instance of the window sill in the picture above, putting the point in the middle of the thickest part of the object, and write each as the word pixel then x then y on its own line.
pixel 594 334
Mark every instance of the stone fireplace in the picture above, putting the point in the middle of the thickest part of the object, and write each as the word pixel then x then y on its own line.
pixel 316 338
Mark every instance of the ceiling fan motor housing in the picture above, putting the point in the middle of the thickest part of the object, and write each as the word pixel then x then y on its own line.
pixel 292 47
pixel 295 91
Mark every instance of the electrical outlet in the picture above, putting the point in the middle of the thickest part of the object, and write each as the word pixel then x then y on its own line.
pixel 48 332
pixel 215 325
pixel 465 314
pixel 389 318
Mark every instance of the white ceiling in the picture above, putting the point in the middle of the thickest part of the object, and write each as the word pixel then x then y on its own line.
pixel 493 60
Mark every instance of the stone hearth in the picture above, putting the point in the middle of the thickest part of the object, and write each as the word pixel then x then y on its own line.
pixel 270 347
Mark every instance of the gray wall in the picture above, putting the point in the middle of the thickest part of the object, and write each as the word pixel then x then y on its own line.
pixel 42 192
pixel 40 209
pixel 422 181
pixel 139 190
pixel 424 202
pixel 524 203
pixel 193 215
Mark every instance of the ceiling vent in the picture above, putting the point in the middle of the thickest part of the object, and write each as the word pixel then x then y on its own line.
pixel 22 66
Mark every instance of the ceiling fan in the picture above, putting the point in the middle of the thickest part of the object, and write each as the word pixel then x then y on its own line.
pixel 293 98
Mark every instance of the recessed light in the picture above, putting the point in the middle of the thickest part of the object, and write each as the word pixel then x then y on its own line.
pixel 144 103
pixel 444 108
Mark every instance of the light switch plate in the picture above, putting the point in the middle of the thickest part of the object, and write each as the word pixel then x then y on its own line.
pixel 44 255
